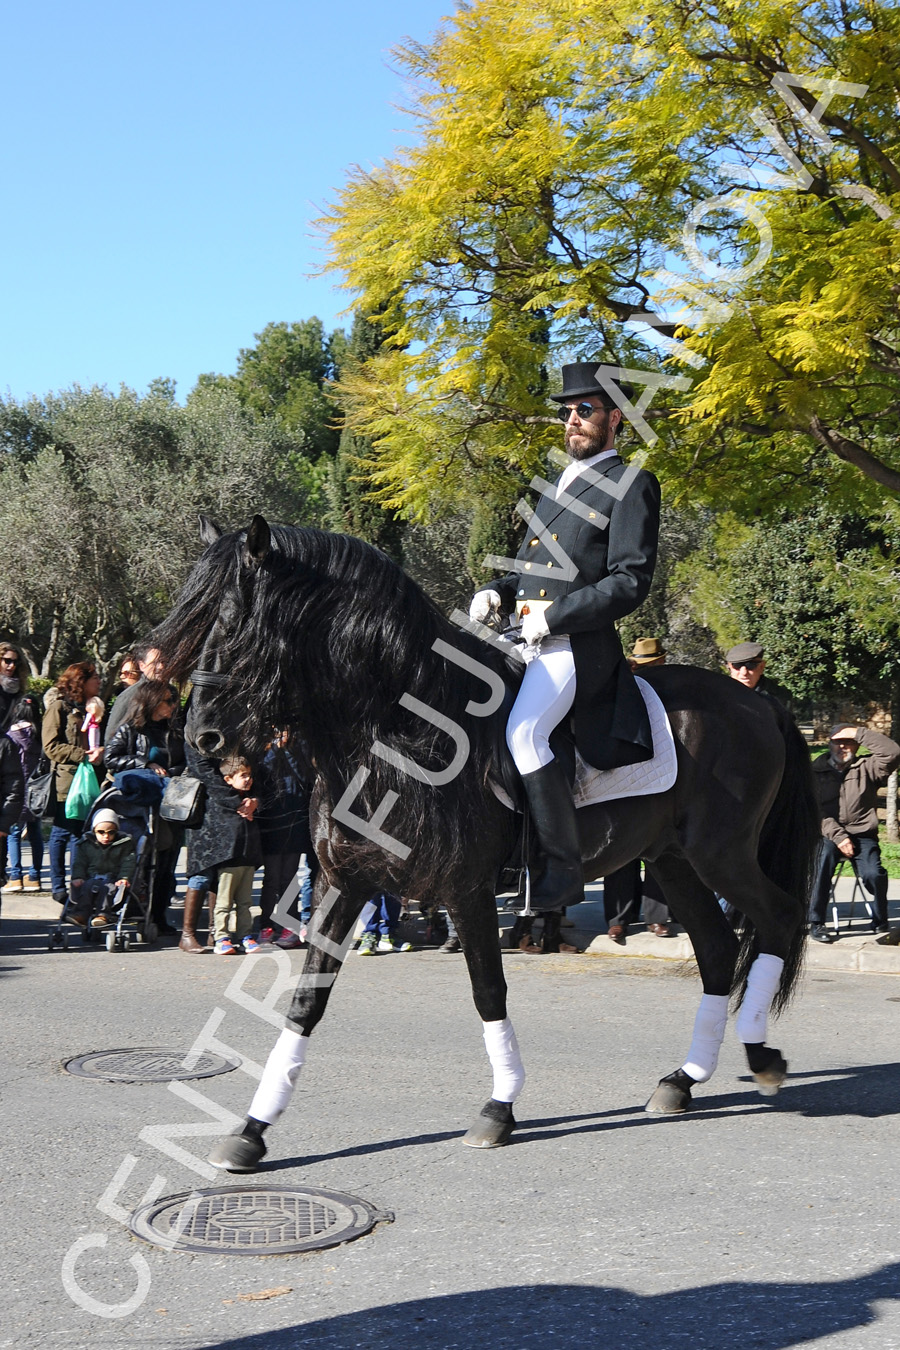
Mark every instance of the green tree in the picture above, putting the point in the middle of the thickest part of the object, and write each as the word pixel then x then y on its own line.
pixel 561 153
pixel 785 584
pixel 286 375
pixel 667 612
pixel 99 499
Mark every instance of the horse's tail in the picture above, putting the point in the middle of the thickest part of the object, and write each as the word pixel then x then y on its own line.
pixel 787 850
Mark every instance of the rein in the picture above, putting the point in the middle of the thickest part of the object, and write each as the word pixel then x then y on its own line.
pixel 207 679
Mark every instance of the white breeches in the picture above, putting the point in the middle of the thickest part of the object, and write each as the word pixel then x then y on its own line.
pixel 544 699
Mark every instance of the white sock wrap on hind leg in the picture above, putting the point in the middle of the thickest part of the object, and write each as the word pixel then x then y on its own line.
pixel 762 986
pixel 506 1062
pixel 279 1076
pixel 709 1033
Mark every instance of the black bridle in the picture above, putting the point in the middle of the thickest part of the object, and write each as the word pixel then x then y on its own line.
pixel 207 679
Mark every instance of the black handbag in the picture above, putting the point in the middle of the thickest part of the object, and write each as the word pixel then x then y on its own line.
pixel 40 795
pixel 183 802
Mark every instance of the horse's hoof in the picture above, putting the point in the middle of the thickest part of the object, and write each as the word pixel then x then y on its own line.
pixel 770 1079
pixel 238 1153
pixel 492 1127
pixel 669 1099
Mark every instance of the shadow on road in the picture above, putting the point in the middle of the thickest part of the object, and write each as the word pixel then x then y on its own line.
pixel 737 1313
pixel 865 1091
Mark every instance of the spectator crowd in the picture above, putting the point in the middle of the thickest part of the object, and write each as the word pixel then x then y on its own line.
pixel 246 816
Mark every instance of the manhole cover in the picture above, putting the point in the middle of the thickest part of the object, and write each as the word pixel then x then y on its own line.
pixel 254 1220
pixel 147 1066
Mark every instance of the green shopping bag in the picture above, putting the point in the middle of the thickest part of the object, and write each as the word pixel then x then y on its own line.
pixel 83 793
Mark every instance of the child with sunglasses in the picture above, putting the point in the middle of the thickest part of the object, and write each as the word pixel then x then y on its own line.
pixel 104 861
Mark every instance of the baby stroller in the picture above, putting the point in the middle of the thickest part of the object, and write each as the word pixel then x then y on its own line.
pixel 135 796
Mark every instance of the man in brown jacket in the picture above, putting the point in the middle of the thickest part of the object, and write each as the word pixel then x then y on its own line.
pixel 847 789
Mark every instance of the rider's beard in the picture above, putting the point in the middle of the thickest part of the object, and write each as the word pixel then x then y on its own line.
pixel 590 439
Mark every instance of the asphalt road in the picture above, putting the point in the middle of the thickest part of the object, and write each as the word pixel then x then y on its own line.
pixel 748 1222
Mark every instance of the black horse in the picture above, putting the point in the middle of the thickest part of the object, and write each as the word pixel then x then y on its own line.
pixel 400 712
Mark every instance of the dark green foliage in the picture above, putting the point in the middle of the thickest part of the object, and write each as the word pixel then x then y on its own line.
pixel 802 587
pixel 666 613
pixel 99 499
pixel 785 586
pixel 285 375
pixel 496 529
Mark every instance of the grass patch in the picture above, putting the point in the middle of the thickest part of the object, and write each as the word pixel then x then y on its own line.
pixel 890 855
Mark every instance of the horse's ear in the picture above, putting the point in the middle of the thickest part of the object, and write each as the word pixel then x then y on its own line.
pixel 258 542
pixel 209 530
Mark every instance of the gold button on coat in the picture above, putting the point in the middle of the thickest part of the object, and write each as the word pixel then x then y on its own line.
pixel 543 593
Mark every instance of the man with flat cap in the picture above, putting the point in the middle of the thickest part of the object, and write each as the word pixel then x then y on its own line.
pixel 747 663
pixel 587 560
pixel 847 786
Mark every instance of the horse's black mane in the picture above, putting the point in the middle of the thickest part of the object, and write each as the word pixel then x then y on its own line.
pixel 325 637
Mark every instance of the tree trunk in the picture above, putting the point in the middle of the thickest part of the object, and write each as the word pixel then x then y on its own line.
pixel 56 629
pixel 890 821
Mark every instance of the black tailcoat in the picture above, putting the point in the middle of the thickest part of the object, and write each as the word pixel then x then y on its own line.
pixel 610 545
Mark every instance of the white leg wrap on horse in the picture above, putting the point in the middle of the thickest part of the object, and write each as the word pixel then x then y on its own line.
pixel 762 986
pixel 279 1076
pixel 709 1033
pixel 506 1062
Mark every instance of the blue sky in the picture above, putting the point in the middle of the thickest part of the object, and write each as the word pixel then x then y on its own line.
pixel 163 164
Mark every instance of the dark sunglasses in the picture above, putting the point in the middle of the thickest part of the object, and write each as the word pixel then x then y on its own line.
pixel 744 665
pixel 9 660
pixel 584 410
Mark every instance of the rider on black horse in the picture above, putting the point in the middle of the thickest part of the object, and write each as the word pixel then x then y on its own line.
pixel 586 561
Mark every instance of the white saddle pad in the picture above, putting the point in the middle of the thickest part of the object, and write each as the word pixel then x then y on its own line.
pixel 631 780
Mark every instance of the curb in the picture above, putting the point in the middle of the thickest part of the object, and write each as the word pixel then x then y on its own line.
pixel 859 954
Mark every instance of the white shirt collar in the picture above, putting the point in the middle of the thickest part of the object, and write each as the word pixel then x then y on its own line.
pixel 571 471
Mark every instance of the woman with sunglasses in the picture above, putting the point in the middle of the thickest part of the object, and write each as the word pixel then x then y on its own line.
pixel 13 680
pixel 151 738
pixel 66 746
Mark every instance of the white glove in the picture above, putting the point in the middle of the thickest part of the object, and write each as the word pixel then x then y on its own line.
pixel 484 604
pixel 534 627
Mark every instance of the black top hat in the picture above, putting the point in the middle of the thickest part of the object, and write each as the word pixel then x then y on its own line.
pixel 581 378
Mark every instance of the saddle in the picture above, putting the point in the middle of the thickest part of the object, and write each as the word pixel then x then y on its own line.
pixel 589 785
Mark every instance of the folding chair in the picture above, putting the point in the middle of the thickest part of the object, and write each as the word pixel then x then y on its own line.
pixel 858 888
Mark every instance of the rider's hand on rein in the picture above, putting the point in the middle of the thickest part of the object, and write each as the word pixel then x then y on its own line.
pixel 484 605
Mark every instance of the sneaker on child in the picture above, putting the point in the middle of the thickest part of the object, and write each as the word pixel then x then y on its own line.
pixel 224 947
pixel 367 945
pixel 250 944
pixel 288 940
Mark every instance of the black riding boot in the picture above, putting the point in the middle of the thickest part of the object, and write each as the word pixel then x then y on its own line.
pixel 560 881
